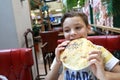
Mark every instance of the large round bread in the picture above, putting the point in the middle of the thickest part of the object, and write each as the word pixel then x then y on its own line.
pixel 75 55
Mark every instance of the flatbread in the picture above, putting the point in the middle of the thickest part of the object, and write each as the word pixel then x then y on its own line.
pixel 75 55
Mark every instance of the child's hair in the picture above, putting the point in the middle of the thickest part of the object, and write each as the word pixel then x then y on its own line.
pixel 73 14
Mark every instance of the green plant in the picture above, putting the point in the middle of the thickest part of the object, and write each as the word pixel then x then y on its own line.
pixel 36 30
pixel 34 5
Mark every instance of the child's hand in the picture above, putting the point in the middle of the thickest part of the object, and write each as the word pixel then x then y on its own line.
pixel 59 49
pixel 96 64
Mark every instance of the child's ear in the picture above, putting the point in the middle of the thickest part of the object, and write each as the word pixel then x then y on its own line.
pixel 88 29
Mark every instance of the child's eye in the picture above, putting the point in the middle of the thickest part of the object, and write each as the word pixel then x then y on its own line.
pixel 67 30
pixel 78 27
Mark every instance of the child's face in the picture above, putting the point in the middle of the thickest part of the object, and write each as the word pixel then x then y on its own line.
pixel 74 27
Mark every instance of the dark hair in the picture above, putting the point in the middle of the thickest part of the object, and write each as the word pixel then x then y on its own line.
pixel 73 14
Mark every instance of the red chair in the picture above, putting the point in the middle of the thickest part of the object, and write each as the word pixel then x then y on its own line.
pixel 49 43
pixel 110 42
pixel 16 64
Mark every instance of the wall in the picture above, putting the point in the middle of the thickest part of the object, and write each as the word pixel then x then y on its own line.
pixel 22 19
pixel 14 20
pixel 8 36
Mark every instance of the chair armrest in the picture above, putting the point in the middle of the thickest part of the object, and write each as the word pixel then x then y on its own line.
pixel 44 44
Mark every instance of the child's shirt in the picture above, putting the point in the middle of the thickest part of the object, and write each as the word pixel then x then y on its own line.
pixel 84 74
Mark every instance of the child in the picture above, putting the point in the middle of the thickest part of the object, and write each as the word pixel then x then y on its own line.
pixel 75 25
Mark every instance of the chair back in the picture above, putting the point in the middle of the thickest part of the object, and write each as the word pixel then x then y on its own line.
pixel 49 43
pixel 50 38
pixel 16 63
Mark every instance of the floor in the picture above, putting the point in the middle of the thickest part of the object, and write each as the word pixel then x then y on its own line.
pixel 41 66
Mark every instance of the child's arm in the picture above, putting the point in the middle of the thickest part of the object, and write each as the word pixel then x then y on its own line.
pixel 54 72
pixel 114 74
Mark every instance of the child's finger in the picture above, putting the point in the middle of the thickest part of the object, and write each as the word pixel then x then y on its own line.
pixel 95 55
pixel 63 44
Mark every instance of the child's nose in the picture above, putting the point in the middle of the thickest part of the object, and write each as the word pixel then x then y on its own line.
pixel 73 32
